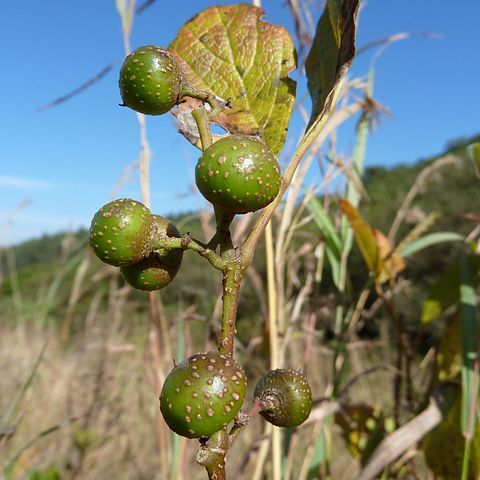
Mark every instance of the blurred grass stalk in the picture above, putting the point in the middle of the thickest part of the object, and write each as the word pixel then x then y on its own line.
pixel 275 361
pixel 126 10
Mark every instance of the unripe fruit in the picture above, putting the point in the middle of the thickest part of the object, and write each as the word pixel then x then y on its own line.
pixel 238 173
pixel 159 268
pixel 285 396
pixel 203 394
pixel 121 232
pixel 150 80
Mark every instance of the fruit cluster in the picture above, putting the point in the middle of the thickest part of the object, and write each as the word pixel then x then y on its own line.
pixel 123 234
pixel 237 174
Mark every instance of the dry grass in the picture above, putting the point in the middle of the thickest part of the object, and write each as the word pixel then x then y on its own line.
pixel 101 391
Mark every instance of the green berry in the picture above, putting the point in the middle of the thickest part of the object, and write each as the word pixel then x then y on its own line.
pixel 285 396
pixel 238 173
pixel 121 232
pixel 203 394
pixel 150 80
pixel 159 268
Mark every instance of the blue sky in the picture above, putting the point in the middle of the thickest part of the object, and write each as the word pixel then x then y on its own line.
pixel 59 166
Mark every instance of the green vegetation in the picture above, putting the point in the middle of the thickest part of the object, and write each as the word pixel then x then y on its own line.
pixel 449 190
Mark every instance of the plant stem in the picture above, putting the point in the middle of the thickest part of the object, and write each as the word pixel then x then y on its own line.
pixel 466 458
pixel 224 218
pixel 211 455
pixel 186 242
pixel 203 124
pixel 232 277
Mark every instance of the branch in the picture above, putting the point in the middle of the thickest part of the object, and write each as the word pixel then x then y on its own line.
pixel 186 242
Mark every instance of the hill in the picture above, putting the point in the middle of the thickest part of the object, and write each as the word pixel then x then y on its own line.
pixel 47 268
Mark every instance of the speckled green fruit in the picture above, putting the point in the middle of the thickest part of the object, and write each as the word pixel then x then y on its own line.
pixel 150 80
pixel 121 232
pixel 203 394
pixel 238 173
pixel 159 268
pixel 286 397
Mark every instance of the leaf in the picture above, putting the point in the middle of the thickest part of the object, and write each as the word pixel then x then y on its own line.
pixel 419 229
pixel 363 428
pixel 473 152
pixel 449 351
pixel 393 263
pixel 445 292
pixel 468 317
pixel 364 236
pixel 7 417
pixel 9 467
pixel 331 54
pixel 382 260
pixel 429 240
pixel 322 451
pixel 231 53
pixel 329 235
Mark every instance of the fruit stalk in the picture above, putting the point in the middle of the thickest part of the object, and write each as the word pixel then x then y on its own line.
pixel 211 455
pixel 203 124
pixel 186 242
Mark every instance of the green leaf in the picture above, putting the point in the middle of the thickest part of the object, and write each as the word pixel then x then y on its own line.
pixel 9 467
pixel 445 292
pixel 468 303
pixel 15 403
pixel 322 452
pixel 473 152
pixel 330 57
pixel 430 240
pixel 231 53
pixel 329 235
pixel 449 362
pixel 50 473
pixel 470 374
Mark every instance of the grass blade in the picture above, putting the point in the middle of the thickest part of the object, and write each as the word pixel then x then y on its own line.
pixel 321 453
pixel 469 359
pixel 473 152
pixel 430 240
pixel 8 470
pixel 12 408
pixel 329 235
